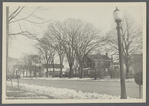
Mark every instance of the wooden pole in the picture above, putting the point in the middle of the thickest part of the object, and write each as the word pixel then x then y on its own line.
pixel 7 37
pixel 140 91
pixel 18 82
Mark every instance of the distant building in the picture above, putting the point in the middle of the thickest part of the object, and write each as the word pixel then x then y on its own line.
pixel 11 63
pixel 32 71
pixel 56 68
pixel 98 62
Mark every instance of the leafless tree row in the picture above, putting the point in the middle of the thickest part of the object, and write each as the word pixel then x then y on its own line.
pixel 131 37
pixel 73 39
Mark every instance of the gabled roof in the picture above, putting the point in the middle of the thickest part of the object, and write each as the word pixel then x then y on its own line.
pixel 55 66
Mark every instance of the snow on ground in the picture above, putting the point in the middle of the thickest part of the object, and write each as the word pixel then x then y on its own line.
pixel 106 80
pixel 15 93
pixel 63 93
pixel 117 80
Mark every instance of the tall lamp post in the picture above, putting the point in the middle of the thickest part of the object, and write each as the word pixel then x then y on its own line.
pixel 118 19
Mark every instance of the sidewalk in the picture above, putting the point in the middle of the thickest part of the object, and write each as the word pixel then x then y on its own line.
pixel 15 93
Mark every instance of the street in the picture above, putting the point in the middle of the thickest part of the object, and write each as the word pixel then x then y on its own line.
pixel 91 86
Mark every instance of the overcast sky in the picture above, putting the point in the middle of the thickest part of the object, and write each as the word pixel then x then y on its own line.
pixel 99 14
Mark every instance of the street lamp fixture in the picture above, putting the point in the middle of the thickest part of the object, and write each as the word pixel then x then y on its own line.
pixel 118 19
pixel 117 15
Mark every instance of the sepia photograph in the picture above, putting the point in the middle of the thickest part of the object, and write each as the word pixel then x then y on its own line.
pixel 91 52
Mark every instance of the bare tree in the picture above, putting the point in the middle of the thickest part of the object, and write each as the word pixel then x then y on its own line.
pixel 132 40
pixel 46 52
pixel 18 16
pixel 57 45
pixel 35 59
pixel 13 19
pixel 77 38
pixel 59 31
pixel 26 64
pixel 86 39
pixel 61 55
pixel 29 63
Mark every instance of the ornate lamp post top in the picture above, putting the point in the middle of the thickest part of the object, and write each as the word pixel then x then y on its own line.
pixel 117 15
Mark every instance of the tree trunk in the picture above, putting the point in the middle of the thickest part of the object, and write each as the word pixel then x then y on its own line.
pixel 30 73
pixel 47 73
pixel 26 72
pixel 127 71
pixel 95 73
pixel 70 71
pixel 39 71
pixel 82 72
pixel 53 75
pixel 61 71
pixel 81 69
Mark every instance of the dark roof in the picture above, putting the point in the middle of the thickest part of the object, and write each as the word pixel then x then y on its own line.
pixel 55 66
pixel 102 57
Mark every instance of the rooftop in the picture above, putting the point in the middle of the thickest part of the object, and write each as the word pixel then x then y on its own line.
pixel 53 65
